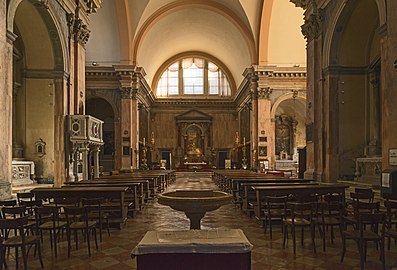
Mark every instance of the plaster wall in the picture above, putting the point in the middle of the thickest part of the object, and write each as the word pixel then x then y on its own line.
pixel 103 45
pixel 287 46
pixel 40 124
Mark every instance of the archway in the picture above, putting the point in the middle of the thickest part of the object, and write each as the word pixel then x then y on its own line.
pixel 102 109
pixel 38 66
pixel 290 134
pixel 355 62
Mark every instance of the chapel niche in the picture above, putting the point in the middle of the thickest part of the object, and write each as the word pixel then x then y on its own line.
pixel 285 129
pixel 193 129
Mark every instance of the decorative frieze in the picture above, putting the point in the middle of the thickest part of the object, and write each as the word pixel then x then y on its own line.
pixel 264 93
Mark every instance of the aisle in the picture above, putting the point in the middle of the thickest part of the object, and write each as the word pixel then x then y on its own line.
pixel 114 251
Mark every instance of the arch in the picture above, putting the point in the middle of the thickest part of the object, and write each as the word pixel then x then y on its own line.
pixel 98 94
pixel 263 49
pixel 123 16
pixel 102 109
pixel 287 96
pixel 207 56
pixel 54 28
pixel 205 4
pixel 341 12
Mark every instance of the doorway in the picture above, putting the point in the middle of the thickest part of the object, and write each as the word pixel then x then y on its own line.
pixel 166 155
pixel 222 156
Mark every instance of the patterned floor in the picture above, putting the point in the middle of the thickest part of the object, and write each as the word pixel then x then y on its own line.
pixel 114 251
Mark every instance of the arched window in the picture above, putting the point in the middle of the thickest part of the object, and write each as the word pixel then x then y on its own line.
pixel 193 76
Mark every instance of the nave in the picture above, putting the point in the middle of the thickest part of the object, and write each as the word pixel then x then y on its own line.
pixel 114 251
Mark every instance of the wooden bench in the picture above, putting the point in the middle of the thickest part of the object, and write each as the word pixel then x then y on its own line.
pixel 133 195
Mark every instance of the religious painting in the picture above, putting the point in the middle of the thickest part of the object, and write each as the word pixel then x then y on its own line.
pixel 193 142
pixel 263 150
pixel 284 134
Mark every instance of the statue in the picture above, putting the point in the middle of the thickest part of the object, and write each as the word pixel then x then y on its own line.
pixel 193 150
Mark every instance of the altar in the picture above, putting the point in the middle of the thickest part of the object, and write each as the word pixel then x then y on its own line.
pixel 368 169
pixel 221 249
pixel 22 172
pixel 193 166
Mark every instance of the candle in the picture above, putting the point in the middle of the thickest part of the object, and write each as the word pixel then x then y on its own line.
pixel 144 141
pixel 244 141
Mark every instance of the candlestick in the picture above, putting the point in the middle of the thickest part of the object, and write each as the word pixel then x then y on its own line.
pixel 152 138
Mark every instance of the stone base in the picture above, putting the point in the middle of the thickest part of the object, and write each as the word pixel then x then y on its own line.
pixel 5 190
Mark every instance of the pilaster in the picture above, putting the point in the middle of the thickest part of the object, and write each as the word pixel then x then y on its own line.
pixel 389 82
pixel 266 126
pixel 254 119
pixel 6 53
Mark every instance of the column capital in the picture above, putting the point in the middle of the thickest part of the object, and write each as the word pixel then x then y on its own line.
pixel 311 29
pixel 300 3
pixel 264 93
pixel 128 92
pixel 77 29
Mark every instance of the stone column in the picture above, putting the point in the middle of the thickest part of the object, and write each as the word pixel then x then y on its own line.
pixel 86 166
pixel 314 117
pixel 389 82
pixel 96 151
pixel 80 35
pixel 6 40
pixel 266 126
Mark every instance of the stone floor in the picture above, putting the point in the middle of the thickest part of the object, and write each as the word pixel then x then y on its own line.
pixel 114 251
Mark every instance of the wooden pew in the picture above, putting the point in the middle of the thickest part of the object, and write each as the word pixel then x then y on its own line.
pixel 133 196
pixel 114 195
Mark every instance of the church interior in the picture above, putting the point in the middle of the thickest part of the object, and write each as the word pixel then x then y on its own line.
pixel 128 102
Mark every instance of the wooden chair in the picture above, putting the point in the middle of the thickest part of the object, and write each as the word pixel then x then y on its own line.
pixel 329 214
pixel 47 219
pixel 391 231
pixel 19 240
pixel 368 192
pixel 95 212
pixel 17 212
pixel 25 196
pixel 77 219
pixel 370 228
pixel 359 207
pixel 301 215
pixel 8 203
pixel 31 205
pixel 276 210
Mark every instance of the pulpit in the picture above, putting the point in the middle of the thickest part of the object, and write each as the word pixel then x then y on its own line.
pixel 221 249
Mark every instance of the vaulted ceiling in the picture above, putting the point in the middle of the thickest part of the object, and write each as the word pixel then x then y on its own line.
pixel 236 32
